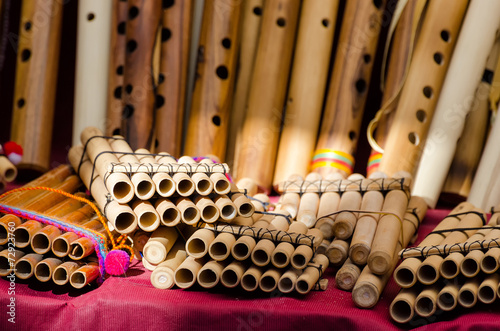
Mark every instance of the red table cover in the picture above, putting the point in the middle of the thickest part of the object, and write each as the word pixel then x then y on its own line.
pixel 131 302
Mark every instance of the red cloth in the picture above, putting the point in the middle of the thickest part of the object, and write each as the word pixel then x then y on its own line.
pixel 123 303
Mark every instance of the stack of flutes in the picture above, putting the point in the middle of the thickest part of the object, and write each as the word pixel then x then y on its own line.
pixel 365 223
pixel 456 263
pixel 33 248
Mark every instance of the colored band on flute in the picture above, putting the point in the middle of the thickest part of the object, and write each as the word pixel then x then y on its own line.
pixel 330 158
pixel 373 162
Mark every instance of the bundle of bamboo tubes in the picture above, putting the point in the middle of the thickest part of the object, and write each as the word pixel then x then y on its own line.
pixel 455 264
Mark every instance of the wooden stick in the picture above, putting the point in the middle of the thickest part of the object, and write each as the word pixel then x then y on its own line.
pixel 92 65
pixel 36 79
pixel 307 88
pixel 256 151
pixel 176 34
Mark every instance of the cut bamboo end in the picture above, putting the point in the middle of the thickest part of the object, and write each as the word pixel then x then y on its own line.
pixel 209 274
pixel 25 267
pixel 359 253
pixel 470 266
pixel 243 247
pixel 6 258
pixel 325 225
pixel 25 231
pixel 337 252
pixel 243 205
pixel 250 279
pixel 147 216
pixel 450 267
pixel 81 248
pixel 426 302
pixel 62 244
pixel 261 254
pixel 159 245
pixel 222 185
pixel 184 185
pixel 41 242
pixel 8 223
pixel 121 217
pixel 144 187
pixel 189 213
pixel 347 276
pixel 402 307
pixel 231 275
pixel 405 274
pixel 281 256
pixel 448 297
pixel 467 296
pixel 428 271
pixel 489 263
pixel 169 214
pixel 301 257
pixel 226 208
pixel 287 281
pixel 120 187
pixel 488 289
pixel 203 184
pixel 197 245
pixel 165 185
pixel 269 280
pixel 163 278
pixel 63 272
pixel 84 275
pixel 45 269
pixel 208 210
pixel 8 170
pixel 311 274
pixel 185 274
pixel 220 248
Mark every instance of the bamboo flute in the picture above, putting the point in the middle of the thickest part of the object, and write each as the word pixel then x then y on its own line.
pixel 261 254
pixel 139 81
pixel 176 33
pixel 338 251
pixel 203 184
pixel 307 88
pixel 243 248
pixel 61 245
pixel 304 253
pixel 348 89
pixel 36 79
pixel 309 203
pixel 424 81
pixel 117 46
pixel 269 280
pixel 256 151
pixel 208 209
pixel 216 72
pixel 251 13
pixel 226 208
pixel 189 213
pixel 455 97
pixel 92 64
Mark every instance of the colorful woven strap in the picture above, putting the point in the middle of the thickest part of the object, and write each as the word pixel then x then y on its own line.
pixel 373 162
pixel 330 158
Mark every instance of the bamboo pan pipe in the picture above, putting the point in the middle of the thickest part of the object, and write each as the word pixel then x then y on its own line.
pixel 307 88
pixel 256 151
pixel 169 214
pixel 216 72
pixel 424 81
pixel 250 279
pixel 139 82
pixel 165 185
pixel 63 272
pixel 197 245
pixel 44 270
pixel 84 275
pixel 426 301
pixel 487 292
pixel 311 275
pixel 117 44
pixel 269 280
pixel 148 218
pixel 231 275
pixel 185 274
pixel 226 208
pixel 288 280
pixel 403 40
pixel 220 248
pixel 347 276
pixel 348 89
pixel 176 33
pixel 158 246
pixel 469 59
pixel 261 254
pixel 448 296
pixel 402 308
pixel 203 184
pixel 369 286
pixel 118 184
pixel 251 19
pixel 8 171
pixel 243 248
pixel 208 209
pixel 304 253
pixel 120 216
pixel 209 274
pixel 92 64
pixel 6 258
pixel 163 275
pixel 467 295
pixel 36 79
pixel 61 245
pixel 144 187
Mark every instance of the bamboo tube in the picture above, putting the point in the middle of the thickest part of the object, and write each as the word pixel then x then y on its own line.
pixel 470 265
pixel 440 148
pixel 246 184
pixel 402 308
pixel 261 254
pixel 288 280
pixel 45 269
pixel 160 243
pixel 450 267
pixel 269 280
pixel 202 183
pixel 323 247
pixel 282 254
pixel 169 214
pixel 256 151
pixel 251 13
pixel 118 42
pixel 426 301
pixel 337 252
pixel 62 244
pixel 365 227
pixel 8 259
pixel 243 248
pixel 279 222
pixel 388 232
pixel 7 170
pixel 311 275
pixel 251 278
pixel 209 116
pixel 184 185
pixel 118 184
pixel 226 208
pixel 489 263
pixel 345 221
pixel 197 245
pixel 63 272
pixel 208 210
pixel 144 187
pixel 232 274
pixel 487 292
pixel 448 296
pixel 36 80
pixel 220 248
pixel 308 208
pixel 163 275
pixel 307 88
pixel 209 275
pixel 348 89
pixel 290 202
pixel 418 99
pixel 221 183
pixel 7 223
pixel 467 296
pixel 243 221
pixel 185 274
pixel 176 33
pixel 25 232
pixel 139 81
pixel 84 275
pixel 304 253
pixel 164 184
pixel 25 266
pixel 243 205
pixel 148 218
pixel 189 213
pixel 94 33
pixel 347 276
pixel 41 241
